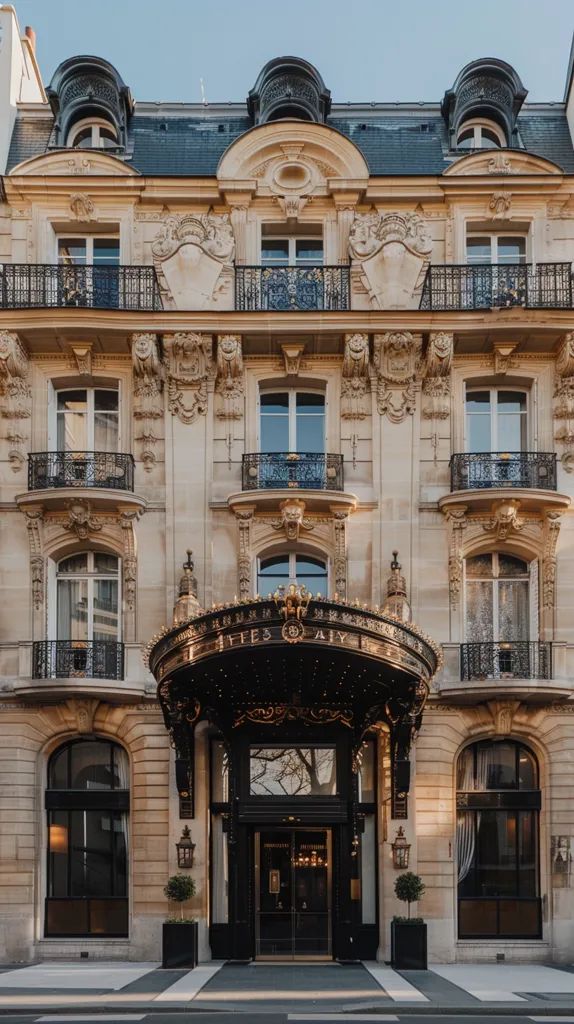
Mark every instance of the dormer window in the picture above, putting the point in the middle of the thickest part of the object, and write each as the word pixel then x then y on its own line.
pixel 93 133
pixel 480 134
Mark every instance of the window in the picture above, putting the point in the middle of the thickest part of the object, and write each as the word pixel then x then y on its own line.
pixel 82 250
pixel 496 249
pixel 496 420
pixel 89 272
pixel 87 606
pixel 280 570
pixel 87 803
pixel 87 420
pixel 292 421
pixel 480 135
pixel 93 134
pixel 292 771
pixel 498 803
pixel 291 252
pixel 497 601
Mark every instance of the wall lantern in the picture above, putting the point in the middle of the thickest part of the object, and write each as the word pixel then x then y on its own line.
pixel 400 849
pixel 185 849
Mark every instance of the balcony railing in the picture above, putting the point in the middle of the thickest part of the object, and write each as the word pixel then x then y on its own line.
pixel 292 288
pixel 512 659
pixel 80 469
pixel 40 285
pixel 481 470
pixel 489 286
pixel 77 659
pixel 311 470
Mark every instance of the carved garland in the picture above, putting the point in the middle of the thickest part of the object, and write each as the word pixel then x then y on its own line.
pixel 191 371
pixel 148 374
pixel 15 395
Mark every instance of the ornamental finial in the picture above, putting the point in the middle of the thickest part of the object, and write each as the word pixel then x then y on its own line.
pixel 187 606
pixel 396 603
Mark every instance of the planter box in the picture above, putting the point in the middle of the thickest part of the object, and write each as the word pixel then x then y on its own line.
pixel 179 945
pixel 409 946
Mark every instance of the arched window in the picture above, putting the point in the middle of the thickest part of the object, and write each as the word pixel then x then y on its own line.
pixel 480 134
pixel 87 802
pixel 93 133
pixel 498 804
pixel 497 598
pixel 280 570
pixel 88 625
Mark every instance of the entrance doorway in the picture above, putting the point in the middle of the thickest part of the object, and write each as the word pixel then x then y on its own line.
pixel 293 869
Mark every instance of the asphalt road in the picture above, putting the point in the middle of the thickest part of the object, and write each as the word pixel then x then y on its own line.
pixel 262 1017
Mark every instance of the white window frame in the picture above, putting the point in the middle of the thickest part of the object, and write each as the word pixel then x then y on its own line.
pixel 292 412
pixel 493 391
pixel 292 556
pixel 90 411
pixel 477 125
pixel 494 236
pixel 95 123
pixel 292 260
pixel 529 577
pixel 90 575
pixel 89 243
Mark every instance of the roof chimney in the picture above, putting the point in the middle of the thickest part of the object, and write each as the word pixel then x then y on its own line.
pixel 31 37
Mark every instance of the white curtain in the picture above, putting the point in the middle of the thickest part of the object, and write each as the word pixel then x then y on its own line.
pixel 465 834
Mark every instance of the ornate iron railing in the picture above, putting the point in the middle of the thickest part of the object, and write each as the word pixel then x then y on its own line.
pixel 514 659
pixel 488 286
pixel 292 288
pixel 482 470
pixel 298 470
pixel 38 285
pixel 80 469
pixel 77 659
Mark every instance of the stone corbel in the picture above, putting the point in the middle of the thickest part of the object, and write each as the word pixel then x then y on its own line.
pixel 457 522
pixel 505 519
pixel 397 366
pixel 292 519
pixel 244 519
pixel 503 713
pixel 148 375
pixel 15 396
pixel 230 381
pixel 292 356
pixel 191 374
pixel 34 527
pixel 564 400
pixel 82 353
pixel 355 377
pixel 503 356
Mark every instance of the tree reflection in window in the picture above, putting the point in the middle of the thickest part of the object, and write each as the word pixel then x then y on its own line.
pixel 293 771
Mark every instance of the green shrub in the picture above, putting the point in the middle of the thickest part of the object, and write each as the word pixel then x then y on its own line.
pixel 409 888
pixel 179 888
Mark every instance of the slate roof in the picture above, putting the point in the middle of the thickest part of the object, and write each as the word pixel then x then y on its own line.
pixel 392 144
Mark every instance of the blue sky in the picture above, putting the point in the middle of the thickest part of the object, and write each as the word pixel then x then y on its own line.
pixel 365 49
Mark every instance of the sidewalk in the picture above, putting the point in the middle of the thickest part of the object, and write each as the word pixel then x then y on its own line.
pixel 523 990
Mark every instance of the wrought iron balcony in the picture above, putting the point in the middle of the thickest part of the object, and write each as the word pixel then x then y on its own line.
pixel 77 659
pixel 481 470
pixel 514 659
pixel 41 285
pixel 491 286
pixel 113 470
pixel 298 470
pixel 292 288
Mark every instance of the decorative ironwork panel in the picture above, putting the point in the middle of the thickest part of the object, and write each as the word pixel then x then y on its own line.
pixel 40 285
pixel 481 470
pixel 515 659
pixel 297 470
pixel 493 286
pixel 114 470
pixel 292 288
pixel 77 659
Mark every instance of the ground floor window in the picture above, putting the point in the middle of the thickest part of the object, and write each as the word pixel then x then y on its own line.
pixel 87 802
pixel 498 803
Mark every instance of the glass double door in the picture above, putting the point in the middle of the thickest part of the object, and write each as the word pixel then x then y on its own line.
pixel 293 869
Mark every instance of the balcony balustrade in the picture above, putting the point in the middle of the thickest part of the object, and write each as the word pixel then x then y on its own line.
pixel 512 659
pixel 492 286
pixel 292 470
pixel 113 470
pixel 482 470
pixel 292 288
pixel 41 285
pixel 77 659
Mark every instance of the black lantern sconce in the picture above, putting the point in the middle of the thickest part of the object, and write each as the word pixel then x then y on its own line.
pixel 401 850
pixel 185 849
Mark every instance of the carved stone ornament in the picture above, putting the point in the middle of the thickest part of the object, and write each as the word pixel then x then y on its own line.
pixel 34 523
pixel 340 520
pixel 292 356
pixel 244 523
pixel 499 164
pixel 193 256
pixel 191 368
pixel 439 353
pixel 148 374
pixel 397 363
pixel 80 520
pixel 392 251
pixel 81 206
pixel 82 353
pixel 292 519
pixel 355 377
pixel 564 401
pixel 15 396
pixel 551 529
pixel 499 205
pixel 505 519
pixel 230 381
pixel 503 712
pixel 456 525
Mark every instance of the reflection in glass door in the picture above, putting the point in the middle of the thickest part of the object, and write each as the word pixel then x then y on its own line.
pixel 293 885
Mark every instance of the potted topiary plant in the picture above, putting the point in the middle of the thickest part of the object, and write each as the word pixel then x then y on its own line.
pixel 179 947
pixel 409 934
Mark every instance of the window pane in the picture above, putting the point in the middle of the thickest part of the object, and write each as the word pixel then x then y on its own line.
pixel 92 766
pixel 496 873
pixel 488 140
pixel 106 622
pixel 527 771
pixel 511 401
pixel 527 865
pixel 511 250
pixel 479 567
pixel 273 573
pixel 479 627
pixel 275 402
pixel 478 250
pixel 297 771
pixel 91 853
pixel 310 402
pixel 311 433
pixel 58 852
pixel 466 139
pixel 107 250
pixel 72 250
pixel 513 610
pixel 274 250
pixel 478 434
pixel 510 566
pixel 75 563
pixel 478 401
pixel 312 574
pixel 106 401
pixel 308 251
pixel 72 610
pixel 499 760
pixel 275 422
pixel 367 776
pixel 72 423
pixel 105 432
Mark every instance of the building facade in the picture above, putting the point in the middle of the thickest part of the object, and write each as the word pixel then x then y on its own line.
pixel 277 378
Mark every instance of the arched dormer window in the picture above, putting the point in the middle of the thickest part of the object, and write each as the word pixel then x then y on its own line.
pixel 93 133
pixel 480 134
pixel 289 87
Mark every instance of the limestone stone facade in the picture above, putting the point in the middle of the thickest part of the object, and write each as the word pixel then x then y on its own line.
pixel 396 329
